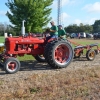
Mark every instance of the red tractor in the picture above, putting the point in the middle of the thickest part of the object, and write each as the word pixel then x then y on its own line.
pixel 57 53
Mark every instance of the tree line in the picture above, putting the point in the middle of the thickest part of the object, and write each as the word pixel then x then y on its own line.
pixel 95 28
pixel 36 13
pixel 6 28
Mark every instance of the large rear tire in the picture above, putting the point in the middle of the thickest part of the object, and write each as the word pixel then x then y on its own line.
pixel 60 54
pixel 11 65
pixel 47 47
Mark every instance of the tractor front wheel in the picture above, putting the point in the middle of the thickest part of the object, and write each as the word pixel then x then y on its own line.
pixel 11 65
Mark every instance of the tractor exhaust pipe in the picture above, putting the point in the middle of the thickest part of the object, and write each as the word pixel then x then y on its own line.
pixel 23 28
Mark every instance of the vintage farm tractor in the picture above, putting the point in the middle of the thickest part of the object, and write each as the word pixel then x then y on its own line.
pixel 57 53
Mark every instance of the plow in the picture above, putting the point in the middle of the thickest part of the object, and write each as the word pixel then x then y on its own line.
pixel 91 50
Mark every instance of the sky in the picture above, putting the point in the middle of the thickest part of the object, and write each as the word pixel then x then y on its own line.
pixel 73 11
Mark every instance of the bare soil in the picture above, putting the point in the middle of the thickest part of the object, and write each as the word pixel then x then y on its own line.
pixel 37 81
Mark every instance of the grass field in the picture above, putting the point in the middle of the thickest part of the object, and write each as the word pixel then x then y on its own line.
pixel 79 41
pixel 85 41
pixel 2 39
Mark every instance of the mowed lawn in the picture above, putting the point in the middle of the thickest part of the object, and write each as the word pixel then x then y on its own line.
pixel 86 41
pixel 79 41
pixel 2 39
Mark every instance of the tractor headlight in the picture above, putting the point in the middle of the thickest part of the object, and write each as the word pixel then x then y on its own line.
pixel 1 47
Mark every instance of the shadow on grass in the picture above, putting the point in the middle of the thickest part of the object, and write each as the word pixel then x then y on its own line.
pixel 80 59
pixel 29 65
pixel 34 65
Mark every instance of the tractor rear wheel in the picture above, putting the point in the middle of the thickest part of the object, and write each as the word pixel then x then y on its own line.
pixel 11 65
pixel 40 58
pixel 46 50
pixel 90 55
pixel 60 54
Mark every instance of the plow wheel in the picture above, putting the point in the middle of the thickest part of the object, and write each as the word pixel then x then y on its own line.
pixel 11 65
pixel 40 58
pixel 60 54
pixel 90 55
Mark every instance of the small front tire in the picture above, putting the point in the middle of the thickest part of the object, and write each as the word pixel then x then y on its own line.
pixel 12 65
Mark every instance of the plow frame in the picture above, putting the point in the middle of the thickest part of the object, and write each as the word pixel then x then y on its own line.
pixel 79 48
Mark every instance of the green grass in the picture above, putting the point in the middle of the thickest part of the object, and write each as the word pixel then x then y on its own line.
pixel 2 39
pixel 86 41
pixel 25 57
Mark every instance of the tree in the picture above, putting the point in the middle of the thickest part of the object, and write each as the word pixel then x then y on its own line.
pixel 72 28
pixel 5 28
pixel 35 12
pixel 96 26
pixel 88 28
pixel 1 29
pixel 77 29
pixel 81 28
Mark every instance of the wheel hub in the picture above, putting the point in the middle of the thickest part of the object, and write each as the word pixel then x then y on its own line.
pixel 12 65
pixel 92 54
pixel 61 53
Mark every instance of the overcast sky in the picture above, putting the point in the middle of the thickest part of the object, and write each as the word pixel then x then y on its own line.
pixel 73 11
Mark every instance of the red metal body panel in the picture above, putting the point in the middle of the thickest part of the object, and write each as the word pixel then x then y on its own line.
pixel 24 45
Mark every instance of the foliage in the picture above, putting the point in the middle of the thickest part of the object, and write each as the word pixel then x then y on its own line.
pixel 34 12
pixel 5 28
pixel 96 26
pixel 88 28
pixel 81 28
pixel 71 28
